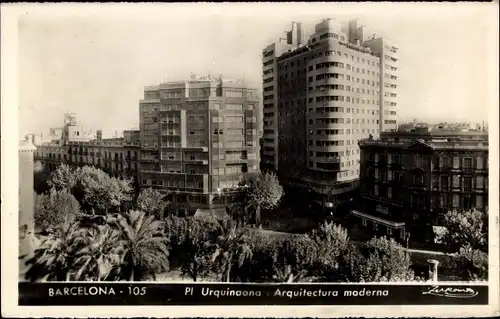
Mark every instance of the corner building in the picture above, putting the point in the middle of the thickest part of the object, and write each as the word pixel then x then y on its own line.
pixel 320 97
pixel 409 180
pixel 198 140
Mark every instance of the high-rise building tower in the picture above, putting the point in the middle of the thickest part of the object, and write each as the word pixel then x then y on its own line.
pixel 293 40
pixel 198 139
pixel 321 97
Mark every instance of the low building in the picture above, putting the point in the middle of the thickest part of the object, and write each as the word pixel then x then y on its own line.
pixel 410 179
pixel 115 156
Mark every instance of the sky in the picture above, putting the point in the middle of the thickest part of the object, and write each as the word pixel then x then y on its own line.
pixel 94 60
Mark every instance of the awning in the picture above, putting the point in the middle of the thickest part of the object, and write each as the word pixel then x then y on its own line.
pixel 217 213
pixel 378 220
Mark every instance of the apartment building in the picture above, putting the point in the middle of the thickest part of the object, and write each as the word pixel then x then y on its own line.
pixel 77 147
pixel 409 180
pixel 199 138
pixel 320 96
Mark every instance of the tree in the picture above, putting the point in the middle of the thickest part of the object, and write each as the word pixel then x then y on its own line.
pixel 332 242
pixel 466 228
pixel 64 178
pixel 53 260
pixel 231 250
pixel 98 191
pixel 93 188
pixel 300 252
pixel 471 264
pixel 263 191
pixel 197 250
pixel 54 209
pixel 145 248
pixel 380 259
pixel 99 255
pixel 152 202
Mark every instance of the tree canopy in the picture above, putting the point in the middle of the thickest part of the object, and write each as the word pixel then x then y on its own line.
pixel 263 191
pixel 92 187
pixel 466 228
pixel 152 202
pixel 54 209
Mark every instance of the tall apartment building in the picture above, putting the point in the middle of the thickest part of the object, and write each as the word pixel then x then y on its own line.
pixel 409 179
pixel 320 97
pixel 198 139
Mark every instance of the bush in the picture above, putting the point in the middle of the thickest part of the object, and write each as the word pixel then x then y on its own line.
pixel 471 264
pixel 380 259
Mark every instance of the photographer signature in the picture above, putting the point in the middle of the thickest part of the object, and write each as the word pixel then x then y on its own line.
pixel 451 292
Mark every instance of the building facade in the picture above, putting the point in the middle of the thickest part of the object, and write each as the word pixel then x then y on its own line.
pixel 115 156
pixel 321 96
pixel 198 140
pixel 409 180
pixel 26 199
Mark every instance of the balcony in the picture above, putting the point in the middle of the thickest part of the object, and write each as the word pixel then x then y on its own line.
pixel 196 148
pixel 171 133
pixel 333 159
pixel 149 158
pixel 149 147
pixel 197 161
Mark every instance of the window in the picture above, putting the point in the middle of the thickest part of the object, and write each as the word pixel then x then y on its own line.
pixel 250 107
pixel 234 119
pixel 389 231
pixel 235 131
pixel 218 132
pixel 456 162
pixel 216 106
pixel 468 163
pixel 363 222
pixel 234 107
pixel 456 201
pixel 479 163
pixel 456 181
pixel 232 144
pixel 251 119
pixel 468 184
pixel 234 94
pixel 375 190
pixel 479 182
pixel 377 173
pixel 444 183
pixel 389 192
pixel 417 161
pixel 389 175
pixel 479 201
pixel 443 201
pixel 217 119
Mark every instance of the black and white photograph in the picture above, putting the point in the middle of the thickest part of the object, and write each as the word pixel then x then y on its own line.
pixel 251 155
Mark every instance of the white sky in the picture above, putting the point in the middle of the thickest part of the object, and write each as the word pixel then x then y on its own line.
pixel 94 60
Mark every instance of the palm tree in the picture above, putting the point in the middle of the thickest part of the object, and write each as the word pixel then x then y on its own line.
pixel 286 275
pixel 145 248
pixel 230 248
pixel 100 255
pixel 53 259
